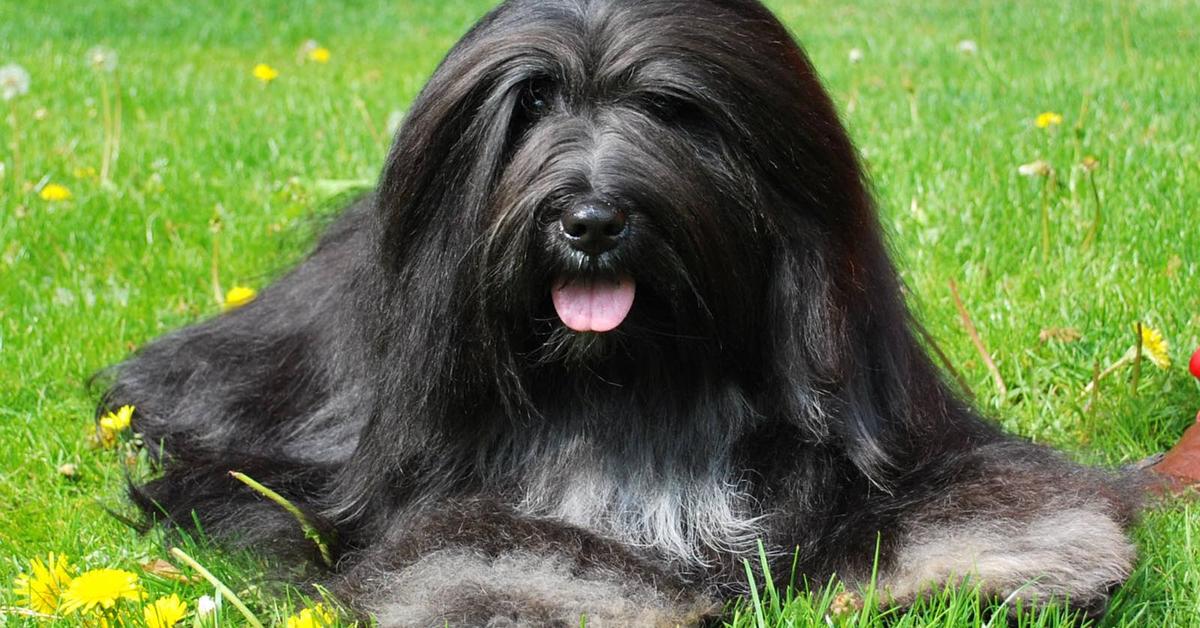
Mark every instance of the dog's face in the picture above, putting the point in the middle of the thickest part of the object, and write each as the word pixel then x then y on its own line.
pixel 625 170
pixel 624 202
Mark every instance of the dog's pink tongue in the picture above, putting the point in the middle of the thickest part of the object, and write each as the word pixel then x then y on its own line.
pixel 593 304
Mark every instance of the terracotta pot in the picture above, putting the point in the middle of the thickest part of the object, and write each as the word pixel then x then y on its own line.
pixel 1181 466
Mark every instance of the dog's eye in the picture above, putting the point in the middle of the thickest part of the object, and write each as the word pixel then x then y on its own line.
pixel 534 102
pixel 535 99
pixel 673 111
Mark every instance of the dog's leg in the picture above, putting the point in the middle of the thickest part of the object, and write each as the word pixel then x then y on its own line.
pixel 1021 523
pixel 270 389
pixel 481 564
pixel 262 378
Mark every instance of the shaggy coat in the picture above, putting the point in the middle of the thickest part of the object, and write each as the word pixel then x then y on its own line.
pixel 411 385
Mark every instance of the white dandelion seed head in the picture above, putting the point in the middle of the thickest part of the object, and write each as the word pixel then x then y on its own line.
pixel 856 55
pixel 309 46
pixel 101 58
pixel 968 47
pixel 205 606
pixel 14 81
pixel 1039 168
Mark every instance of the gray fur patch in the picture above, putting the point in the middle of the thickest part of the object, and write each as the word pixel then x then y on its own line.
pixel 463 588
pixel 683 514
pixel 1074 554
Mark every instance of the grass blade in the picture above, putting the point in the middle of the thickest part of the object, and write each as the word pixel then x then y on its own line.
pixel 310 530
pixel 220 586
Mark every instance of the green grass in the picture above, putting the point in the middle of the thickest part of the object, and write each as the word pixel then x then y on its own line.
pixel 83 282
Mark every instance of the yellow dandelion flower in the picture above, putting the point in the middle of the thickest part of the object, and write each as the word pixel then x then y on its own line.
pixel 265 73
pixel 314 617
pixel 1048 119
pixel 165 612
pixel 319 54
pixel 1154 347
pixel 41 589
pixel 117 422
pixel 99 438
pixel 238 296
pixel 100 588
pixel 55 192
pixel 110 426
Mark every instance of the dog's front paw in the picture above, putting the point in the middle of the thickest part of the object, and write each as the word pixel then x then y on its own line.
pixel 1073 556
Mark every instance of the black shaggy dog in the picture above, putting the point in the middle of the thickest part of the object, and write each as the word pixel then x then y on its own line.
pixel 619 308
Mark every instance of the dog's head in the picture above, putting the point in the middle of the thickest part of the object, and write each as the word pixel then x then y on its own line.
pixel 648 185
pixel 642 166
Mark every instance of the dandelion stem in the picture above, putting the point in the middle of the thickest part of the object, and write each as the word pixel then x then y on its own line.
pixel 116 127
pixel 215 227
pixel 978 342
pixel 106 123
pixel 1083 113
pixel 310 530
pixel 1125 359
pixel 1137 360
pixel 912 107
pixel 1047 186
pixel 1093 233
pixel 25 612
pixel 1126 40
pixel 16 150
pixel 366 114
pixel 945 359
pixel 994 77
pixel 220 586
pixel 1095 386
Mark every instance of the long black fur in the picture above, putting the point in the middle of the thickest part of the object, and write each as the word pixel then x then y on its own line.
pixel 409 385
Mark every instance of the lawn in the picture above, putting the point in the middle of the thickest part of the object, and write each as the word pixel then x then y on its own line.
pixel 213 159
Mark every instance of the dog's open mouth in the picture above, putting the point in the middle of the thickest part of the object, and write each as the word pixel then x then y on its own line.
pixel 592 303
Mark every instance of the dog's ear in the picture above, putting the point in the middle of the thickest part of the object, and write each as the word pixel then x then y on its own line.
pixel 843 361
pixel 837 358
pixel 839 328
pixel 446 155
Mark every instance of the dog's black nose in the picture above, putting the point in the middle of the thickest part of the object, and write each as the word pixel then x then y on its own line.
pixel 593 226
